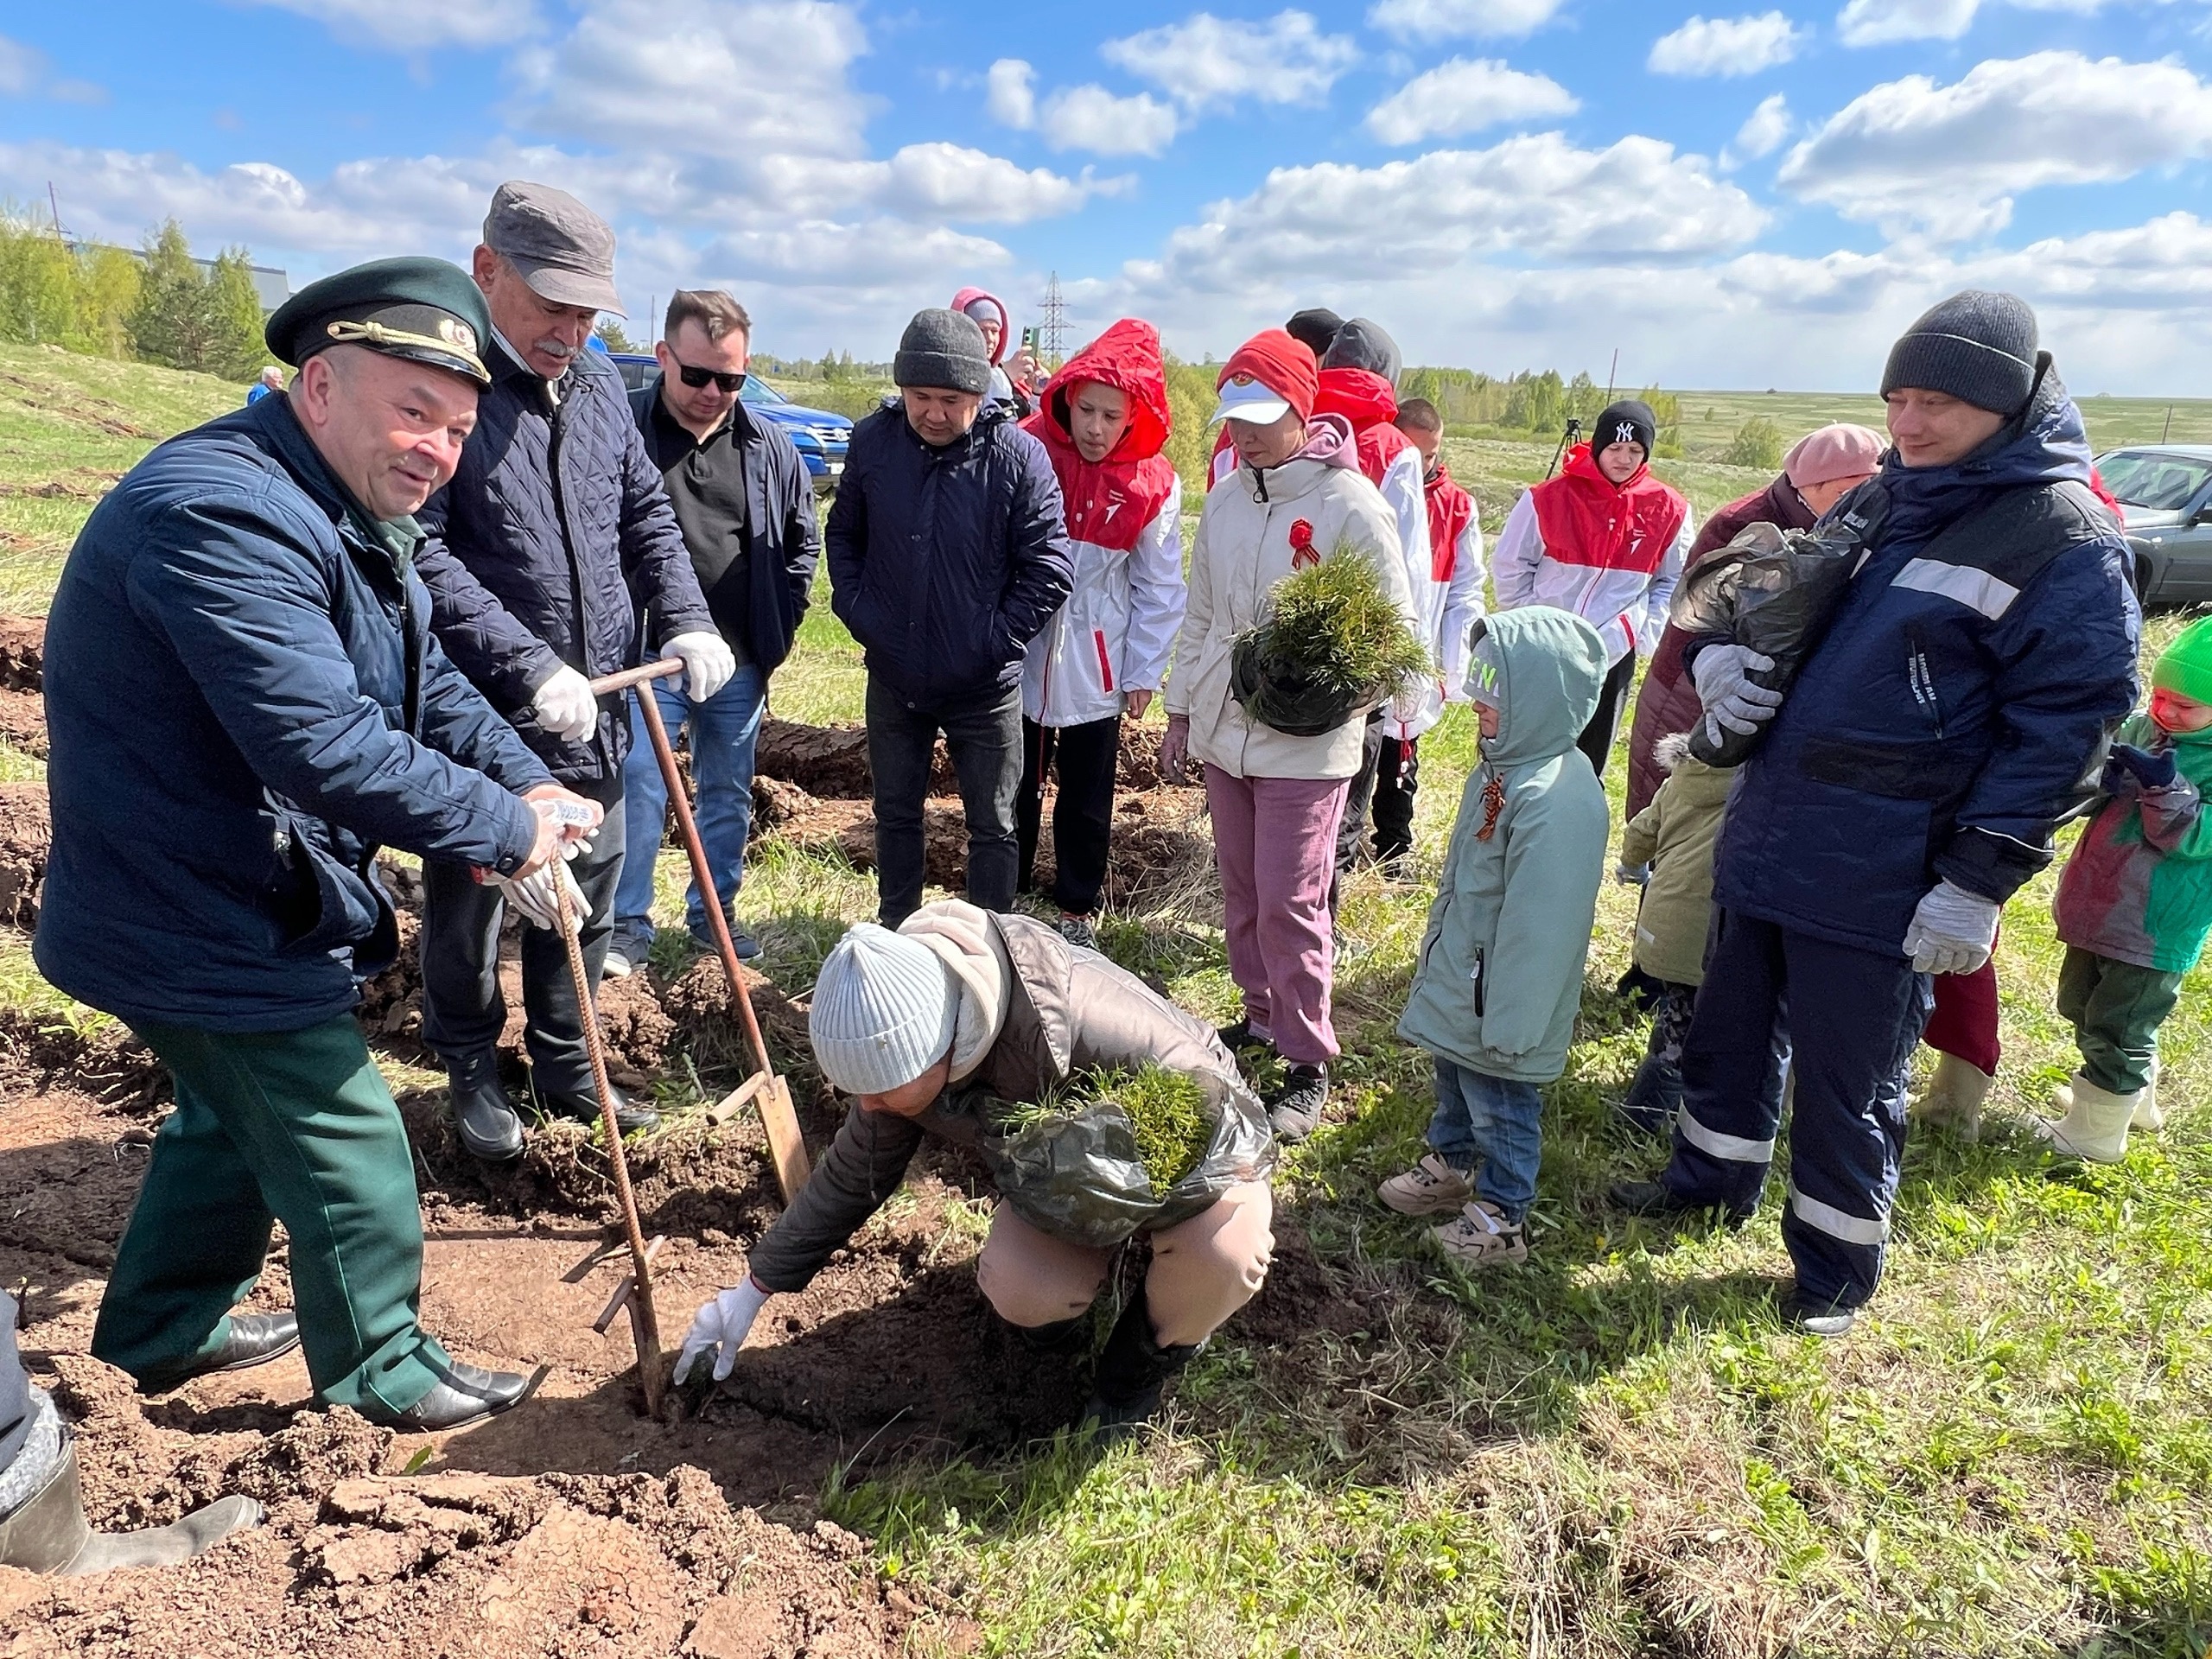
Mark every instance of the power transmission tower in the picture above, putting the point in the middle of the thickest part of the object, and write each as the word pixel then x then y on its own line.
pixel 1052 333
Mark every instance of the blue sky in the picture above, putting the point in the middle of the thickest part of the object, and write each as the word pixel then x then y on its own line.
pixel 1733 194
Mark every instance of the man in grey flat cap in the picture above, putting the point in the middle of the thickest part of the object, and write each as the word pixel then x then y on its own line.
pixel 554 520
pixel 948 554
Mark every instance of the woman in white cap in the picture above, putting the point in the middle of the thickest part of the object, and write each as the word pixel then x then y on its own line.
pixel 961 1001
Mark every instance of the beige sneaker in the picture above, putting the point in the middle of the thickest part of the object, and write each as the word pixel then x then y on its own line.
pixel 1431 1187
pixel 1482 1237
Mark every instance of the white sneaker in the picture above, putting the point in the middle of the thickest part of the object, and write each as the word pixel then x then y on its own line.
pixel 1431 1187
pixel 1482 1237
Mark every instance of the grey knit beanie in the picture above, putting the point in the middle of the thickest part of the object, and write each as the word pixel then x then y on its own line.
pixel 943 348
pixel 1977 346
pixel 883 1010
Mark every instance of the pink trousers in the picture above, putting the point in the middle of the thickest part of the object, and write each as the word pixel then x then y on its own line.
pixel 1202 1269
pixel 1275 841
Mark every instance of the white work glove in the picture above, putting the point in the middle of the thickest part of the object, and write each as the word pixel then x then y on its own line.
pixel 534 898
pixel 708 663
pixel 1731 698
pixel 565 707
pixel 722 1326
pixel 1953 931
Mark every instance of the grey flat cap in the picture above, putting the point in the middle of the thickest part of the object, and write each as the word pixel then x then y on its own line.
pixel 562 250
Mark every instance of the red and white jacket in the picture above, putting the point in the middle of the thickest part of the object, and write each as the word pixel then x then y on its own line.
pixel 1390 462
pixel 1117 629
pixel 1455 544
pixel 1610 553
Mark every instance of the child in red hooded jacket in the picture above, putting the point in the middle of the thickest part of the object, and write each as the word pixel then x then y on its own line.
pixel 1103 419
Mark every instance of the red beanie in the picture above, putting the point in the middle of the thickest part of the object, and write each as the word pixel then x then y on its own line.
pixel 1279 362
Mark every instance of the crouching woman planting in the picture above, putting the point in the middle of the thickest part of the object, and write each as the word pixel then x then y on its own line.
pixel 934 1029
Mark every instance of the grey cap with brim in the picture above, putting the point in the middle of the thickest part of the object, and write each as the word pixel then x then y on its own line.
pixel 556 244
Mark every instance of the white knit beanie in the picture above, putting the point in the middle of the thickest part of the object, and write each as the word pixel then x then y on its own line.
pixel 882 1012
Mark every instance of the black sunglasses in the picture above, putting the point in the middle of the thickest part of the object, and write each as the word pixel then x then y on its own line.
pixel 695 379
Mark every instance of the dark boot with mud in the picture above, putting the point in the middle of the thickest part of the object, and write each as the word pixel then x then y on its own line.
pixel 1133 1369
pixel 47 1532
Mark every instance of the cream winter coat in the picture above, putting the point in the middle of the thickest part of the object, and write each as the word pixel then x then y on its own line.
pixel 1244 549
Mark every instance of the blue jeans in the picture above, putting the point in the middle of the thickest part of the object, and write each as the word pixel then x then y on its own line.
pixel 723 730
pixel 1496 1122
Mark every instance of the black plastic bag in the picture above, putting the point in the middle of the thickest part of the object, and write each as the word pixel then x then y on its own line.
pixel 1076 1176
pixel 1775 591
pixel 1281 695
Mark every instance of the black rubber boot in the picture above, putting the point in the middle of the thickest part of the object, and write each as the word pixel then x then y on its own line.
pixel 483 1117
pixel 48 1532
pixel 1132 1368
pixel 1061 1337
pixel 583 1105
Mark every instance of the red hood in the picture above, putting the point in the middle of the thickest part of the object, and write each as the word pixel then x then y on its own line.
pixel 1127 356
pixel 1361 396
pixel 967 297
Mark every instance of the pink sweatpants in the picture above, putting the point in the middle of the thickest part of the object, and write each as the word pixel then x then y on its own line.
pixel 1276 840
pixel 1202 1269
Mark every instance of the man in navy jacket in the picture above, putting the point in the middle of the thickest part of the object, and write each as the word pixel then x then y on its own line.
pixel 244 700
pixel 1907 785
pixel 553 531
pixel 947 554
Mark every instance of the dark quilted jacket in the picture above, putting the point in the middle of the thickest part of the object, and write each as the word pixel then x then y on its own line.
pixel 531 566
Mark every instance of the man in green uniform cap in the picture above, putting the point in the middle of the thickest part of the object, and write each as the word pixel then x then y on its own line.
pixel 245 703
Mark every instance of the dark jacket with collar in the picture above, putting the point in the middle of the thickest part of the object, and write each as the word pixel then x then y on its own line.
pixel 1971 674
pixel 244 700
pixel 553 532
pixel 1070 1011
pixel 759 607
pixel 946 562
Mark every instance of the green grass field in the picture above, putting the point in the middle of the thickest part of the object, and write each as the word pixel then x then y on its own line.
pixel 1617 1450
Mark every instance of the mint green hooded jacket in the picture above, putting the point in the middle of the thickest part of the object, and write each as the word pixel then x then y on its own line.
pixel 1500 972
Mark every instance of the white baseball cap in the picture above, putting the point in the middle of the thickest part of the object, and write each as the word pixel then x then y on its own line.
pixel 1244 398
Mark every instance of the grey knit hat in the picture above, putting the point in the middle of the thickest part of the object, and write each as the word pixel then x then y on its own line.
pixel 882 1012
pixel 943 348
pixel 1977 346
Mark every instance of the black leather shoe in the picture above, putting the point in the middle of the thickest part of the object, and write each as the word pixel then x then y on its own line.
pixel 1241 1039
pixel 583 1106
pixel 254 1339
pixel 1658 1199
pixel 462 1395
pixel 483 1115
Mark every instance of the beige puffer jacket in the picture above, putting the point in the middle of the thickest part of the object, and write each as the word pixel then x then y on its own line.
pixel 1243 548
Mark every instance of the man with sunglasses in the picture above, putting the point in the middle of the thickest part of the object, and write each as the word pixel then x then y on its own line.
pixel 746 505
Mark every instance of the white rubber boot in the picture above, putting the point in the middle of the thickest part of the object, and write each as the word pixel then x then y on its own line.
pixel 2096 1124
pixel 1952 1101
pixel 2148 1117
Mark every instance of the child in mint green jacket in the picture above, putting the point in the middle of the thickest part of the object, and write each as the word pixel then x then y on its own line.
pixel 1500 973
pixel 2135 904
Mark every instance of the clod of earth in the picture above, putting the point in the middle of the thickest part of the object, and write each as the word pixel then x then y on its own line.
pixel 22 653
pixel 25 837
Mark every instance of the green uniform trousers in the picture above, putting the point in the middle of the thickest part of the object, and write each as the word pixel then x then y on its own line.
pixel 291 1124
pixel 2116 1008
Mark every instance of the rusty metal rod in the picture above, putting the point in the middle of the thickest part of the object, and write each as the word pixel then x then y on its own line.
pixel 645 1323
pixel 786 1145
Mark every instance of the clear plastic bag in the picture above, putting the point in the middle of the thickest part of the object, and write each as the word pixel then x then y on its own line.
pixel 1078 1177
pixel 1775 591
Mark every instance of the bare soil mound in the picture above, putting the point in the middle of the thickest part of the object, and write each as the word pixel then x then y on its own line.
pixel 23 722
pixel 25 837
pixel 23 652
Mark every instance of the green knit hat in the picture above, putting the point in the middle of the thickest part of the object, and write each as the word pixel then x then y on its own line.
pixel 2186 666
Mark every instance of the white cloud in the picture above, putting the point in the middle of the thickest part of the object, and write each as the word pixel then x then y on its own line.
pixel 733 78
pixel 1910 155
pixel 1206 62
pixel 1463 96
pixel 1091 119
pixel 25 73
pixel 1761 134
pixel 1009 93
pixel 1537 197
pixel 1726 46
pixel 1444 20
pixel 1876 22
pixel 416 26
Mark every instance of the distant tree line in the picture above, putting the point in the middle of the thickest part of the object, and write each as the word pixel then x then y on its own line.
pixel 158 306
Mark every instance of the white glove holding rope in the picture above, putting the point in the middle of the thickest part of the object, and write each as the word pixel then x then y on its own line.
pixel 1953 932
pixel 722 1326
pixel 565 707
pixel 708 662
pixel 1731 698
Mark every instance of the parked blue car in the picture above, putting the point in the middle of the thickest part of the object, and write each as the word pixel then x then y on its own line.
pixel 820 436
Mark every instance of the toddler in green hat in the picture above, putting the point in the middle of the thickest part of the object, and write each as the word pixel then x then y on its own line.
pixel 2135 904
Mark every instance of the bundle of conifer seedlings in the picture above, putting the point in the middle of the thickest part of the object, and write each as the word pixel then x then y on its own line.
pixel 1333 644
